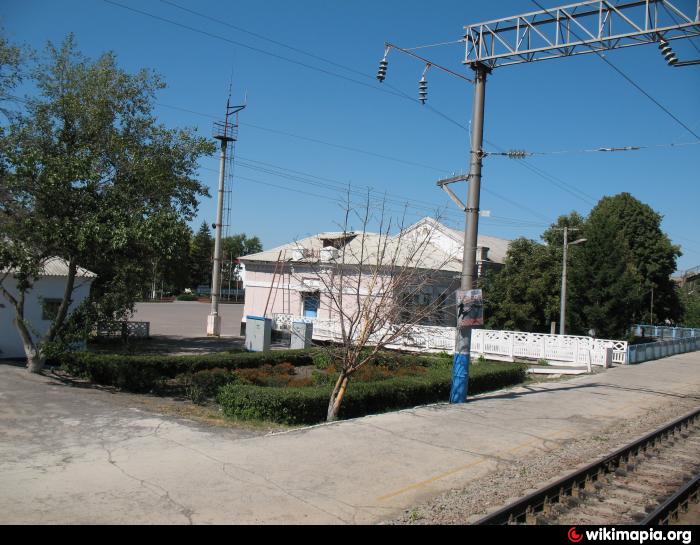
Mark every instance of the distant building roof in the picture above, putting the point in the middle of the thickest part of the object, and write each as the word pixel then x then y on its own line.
pixel 308 249
pixel 57 266
pixel 498 247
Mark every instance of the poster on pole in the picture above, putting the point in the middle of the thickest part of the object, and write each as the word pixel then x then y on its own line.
pixel 470 308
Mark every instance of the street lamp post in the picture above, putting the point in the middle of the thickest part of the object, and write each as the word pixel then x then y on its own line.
pixel 562 313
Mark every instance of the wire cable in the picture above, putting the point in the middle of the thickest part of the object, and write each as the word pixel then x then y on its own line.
pixel 630 80
pixel 252 48
pixel 549 178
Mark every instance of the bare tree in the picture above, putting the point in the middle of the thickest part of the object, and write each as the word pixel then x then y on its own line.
pixel 376 287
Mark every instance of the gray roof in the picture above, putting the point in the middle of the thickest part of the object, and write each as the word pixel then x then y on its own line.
pixel 434 257
pixel 498 247
pixel 56 266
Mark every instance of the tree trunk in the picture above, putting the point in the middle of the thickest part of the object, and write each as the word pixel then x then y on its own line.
pixel 337 396
pixel 65 302
pixel 35 359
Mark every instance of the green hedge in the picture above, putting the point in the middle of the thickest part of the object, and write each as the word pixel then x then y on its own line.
pixel 142 373
pixel 309 405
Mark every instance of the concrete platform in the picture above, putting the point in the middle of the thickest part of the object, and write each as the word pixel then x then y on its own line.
pixel 70 455
pixel 558 370
pixel 187 318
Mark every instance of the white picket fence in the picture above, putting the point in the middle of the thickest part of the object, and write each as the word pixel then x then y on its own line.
pixel 496 345
pixel 509 345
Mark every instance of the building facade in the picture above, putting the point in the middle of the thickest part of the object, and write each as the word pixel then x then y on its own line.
pixel 306 278
pixel 41 304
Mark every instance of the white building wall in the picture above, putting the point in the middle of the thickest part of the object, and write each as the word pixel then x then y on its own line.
pixel 49 287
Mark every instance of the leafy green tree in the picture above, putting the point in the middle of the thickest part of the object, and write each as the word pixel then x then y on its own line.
pixel 12 72
pixel 525 294
pixel 610 277
pixel 91 177
pixel 234 247
pixel 626 256
pixel 239 245
pixel 690 300
pixel 201 256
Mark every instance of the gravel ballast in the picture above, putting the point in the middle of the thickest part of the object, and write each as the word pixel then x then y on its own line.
pixel 516 478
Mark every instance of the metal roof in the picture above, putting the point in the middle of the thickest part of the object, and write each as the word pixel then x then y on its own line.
pixel 56 266
pixel 435 257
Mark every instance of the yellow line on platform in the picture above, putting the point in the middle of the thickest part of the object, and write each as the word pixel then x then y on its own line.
pixel 481 460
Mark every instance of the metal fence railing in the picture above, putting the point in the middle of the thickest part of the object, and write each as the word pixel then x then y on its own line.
pixel 639 353
pixel 664 332
pixel 137 330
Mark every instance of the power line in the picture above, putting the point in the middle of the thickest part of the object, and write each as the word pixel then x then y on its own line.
pixel 561 184
pixel 314 140
pixel 514 222
pixel 516 154
pixel 675 20
pixel 378 197
pixel 630 80
pixel 267 39
pixel 460 41
pixel 252 48
pixel 357 150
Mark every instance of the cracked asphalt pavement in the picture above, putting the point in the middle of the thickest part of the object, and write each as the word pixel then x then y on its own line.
pixel 83 455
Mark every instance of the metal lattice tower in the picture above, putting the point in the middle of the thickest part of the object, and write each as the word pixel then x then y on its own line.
pixel 577 29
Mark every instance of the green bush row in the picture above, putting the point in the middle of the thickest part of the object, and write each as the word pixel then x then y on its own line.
pixel 309 405
pixel 324 358
pixel 141 373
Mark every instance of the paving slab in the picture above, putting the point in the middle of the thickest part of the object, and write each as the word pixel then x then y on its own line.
pixel 70 455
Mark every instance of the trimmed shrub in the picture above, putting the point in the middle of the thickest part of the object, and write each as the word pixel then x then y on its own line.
pixel 309 405
pixel 205 384
pixel 324 358
pixel 187 297
pixel 141 373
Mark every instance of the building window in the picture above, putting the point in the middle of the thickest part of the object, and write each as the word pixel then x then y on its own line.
pixel 50 309
pixel 311 302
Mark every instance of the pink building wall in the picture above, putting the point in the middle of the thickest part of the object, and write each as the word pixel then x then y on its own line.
pixel 286 297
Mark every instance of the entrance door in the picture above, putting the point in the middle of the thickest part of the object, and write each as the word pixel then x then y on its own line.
pixel 311 303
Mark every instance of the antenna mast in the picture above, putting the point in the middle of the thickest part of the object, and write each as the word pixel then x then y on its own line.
pixel 225 132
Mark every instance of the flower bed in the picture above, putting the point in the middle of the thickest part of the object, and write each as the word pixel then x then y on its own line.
pixel 142 373
pixel 308 405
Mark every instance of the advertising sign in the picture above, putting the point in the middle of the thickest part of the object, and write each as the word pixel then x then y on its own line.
pixel 470 308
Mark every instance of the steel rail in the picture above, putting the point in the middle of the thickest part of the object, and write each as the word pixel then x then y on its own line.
pixel 541 500
pixel 670 508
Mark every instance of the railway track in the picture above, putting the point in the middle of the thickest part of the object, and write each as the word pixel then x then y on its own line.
pixel 649 482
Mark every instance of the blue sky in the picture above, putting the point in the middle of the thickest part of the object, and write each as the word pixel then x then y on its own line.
pixel 567 104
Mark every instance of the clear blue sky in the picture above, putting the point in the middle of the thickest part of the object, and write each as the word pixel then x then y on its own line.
pixel 567 104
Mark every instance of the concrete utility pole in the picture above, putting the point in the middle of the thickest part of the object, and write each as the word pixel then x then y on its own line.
pixel 471 226
pixel 586 27
pixel 562 311
pixel 463 335
pixel 224 132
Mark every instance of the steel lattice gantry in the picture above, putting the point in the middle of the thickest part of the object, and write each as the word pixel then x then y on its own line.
pixel 575 29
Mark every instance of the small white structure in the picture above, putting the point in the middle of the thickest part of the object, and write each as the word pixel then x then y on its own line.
pixel 41 303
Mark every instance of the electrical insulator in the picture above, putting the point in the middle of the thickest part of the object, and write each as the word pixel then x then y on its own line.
pixel 516 154
pixel 667 52
pixel 381 75
pixel 423 90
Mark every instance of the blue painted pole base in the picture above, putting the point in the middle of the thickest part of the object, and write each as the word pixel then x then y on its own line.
pixel 460 379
